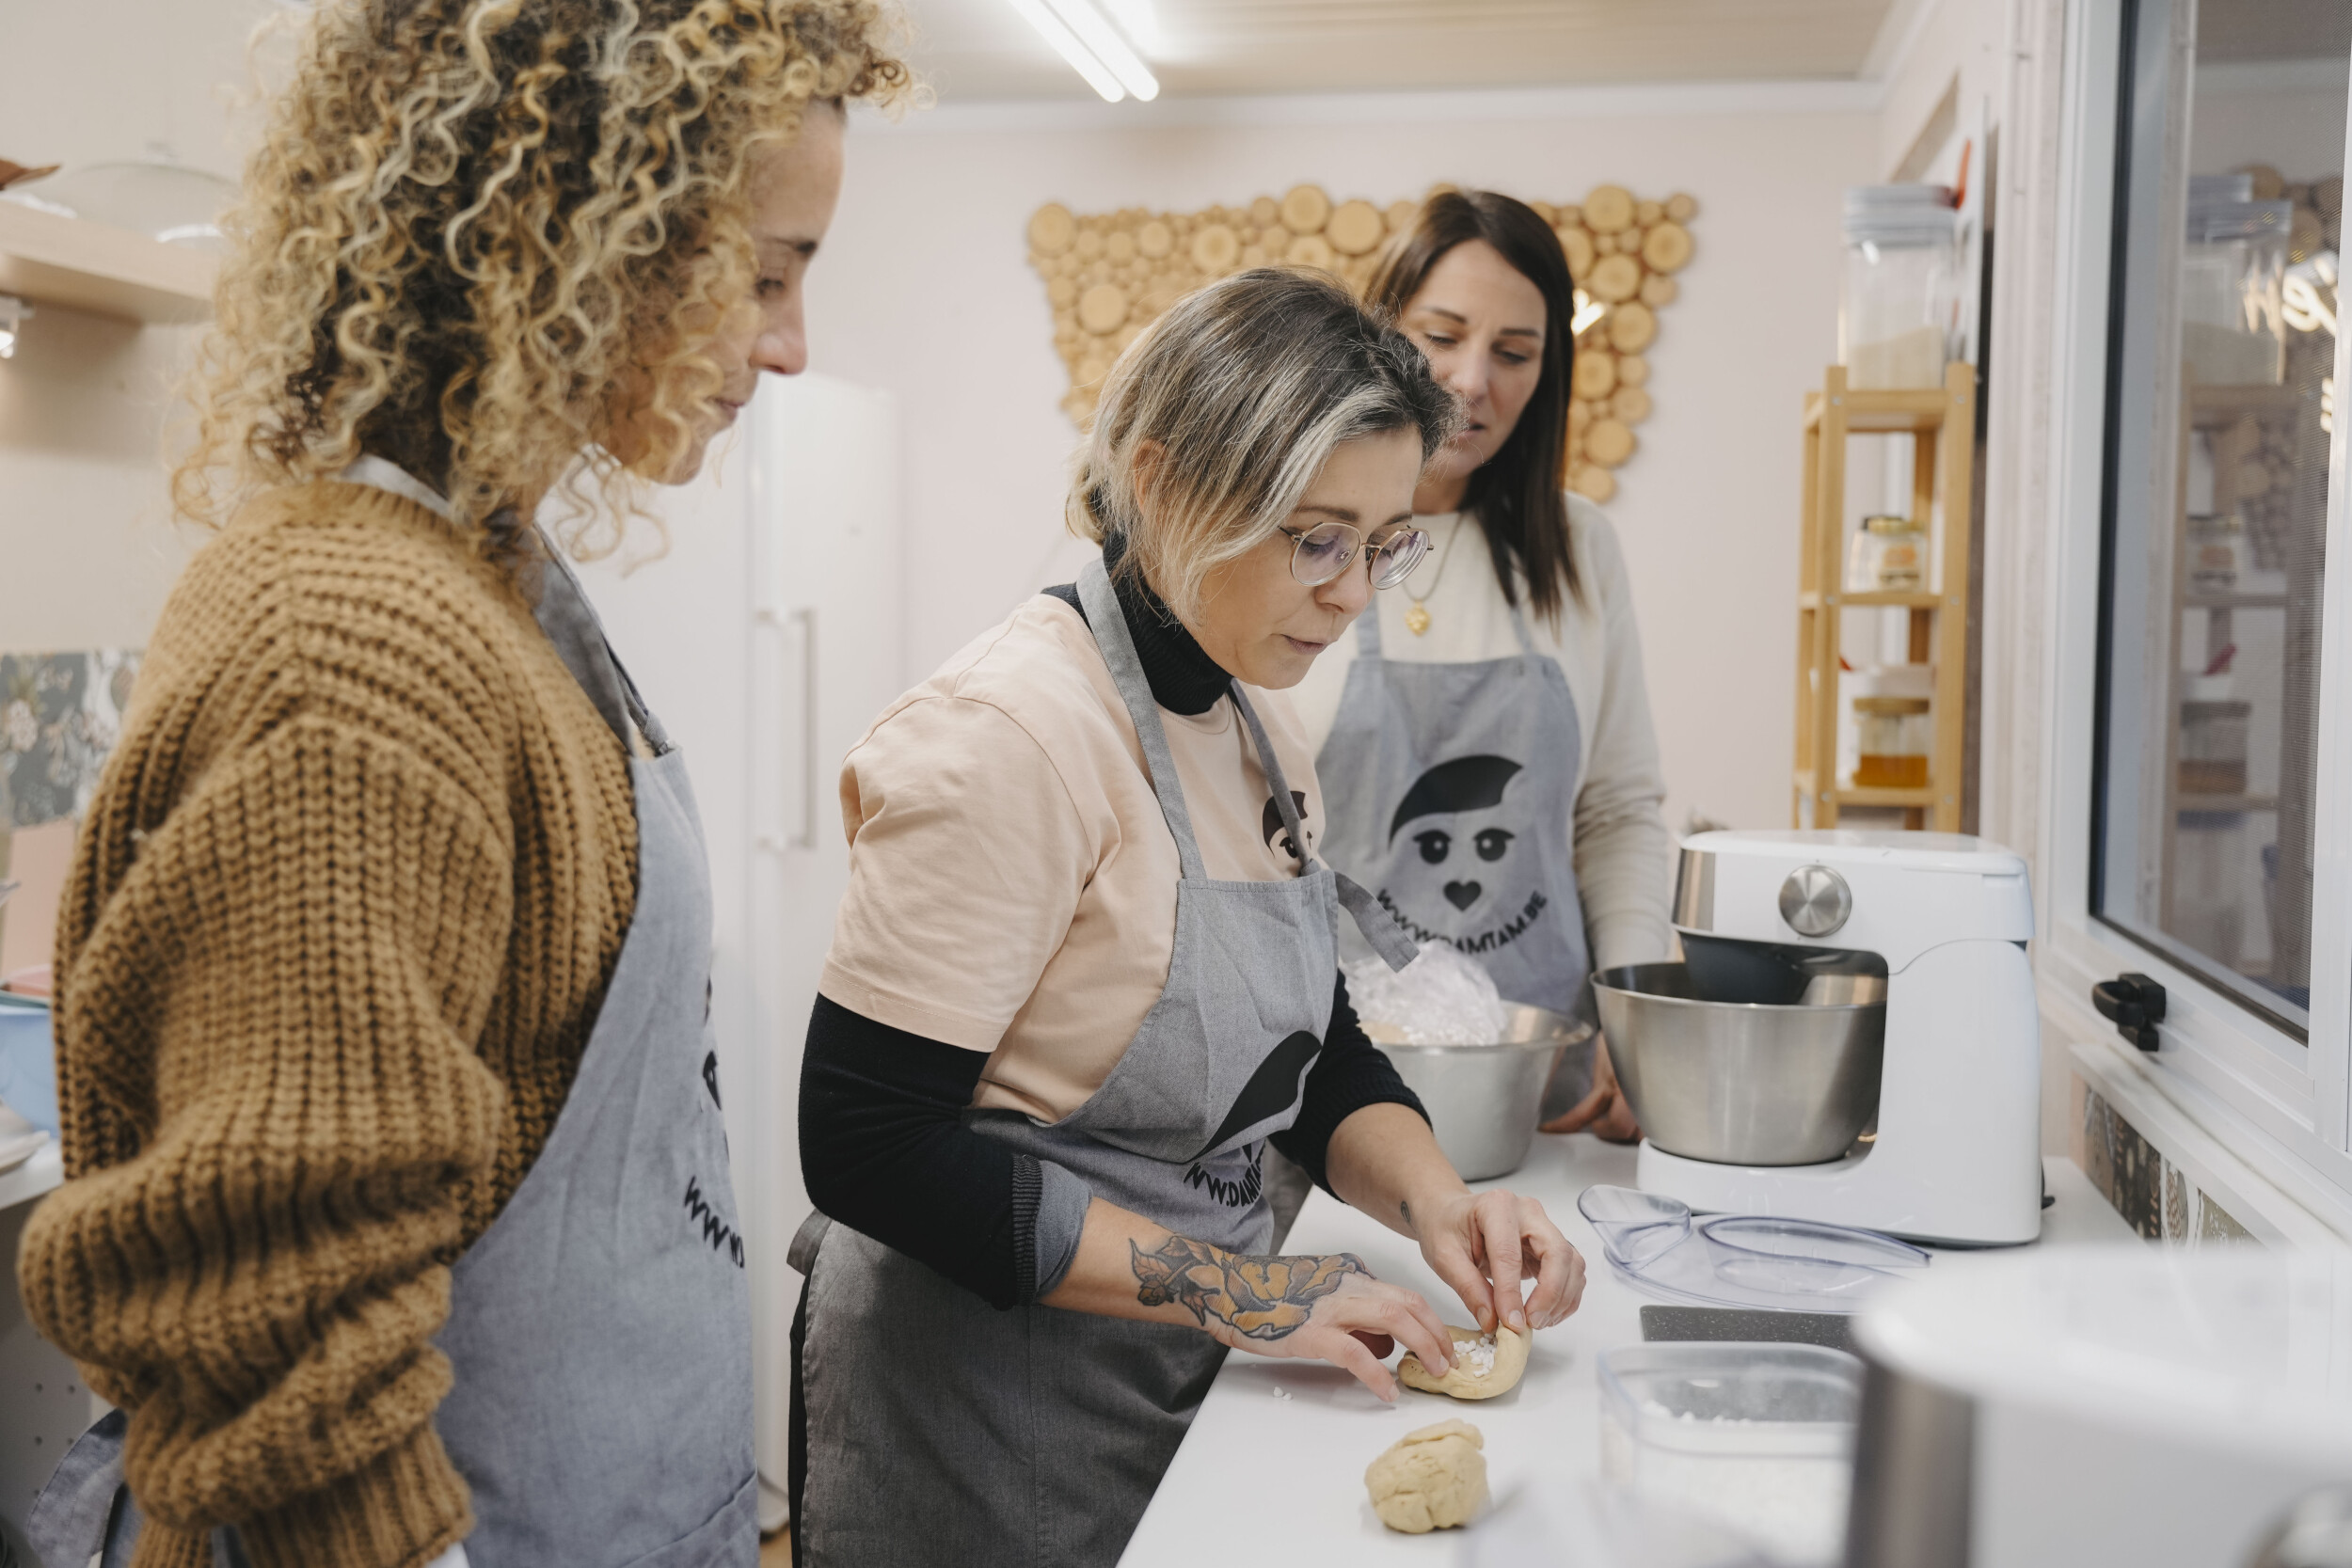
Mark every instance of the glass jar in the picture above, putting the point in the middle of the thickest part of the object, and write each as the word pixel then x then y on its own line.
pixel 2233 282
pixel 1889 554
pixel 2213 747
pixel 1893 752
pixel 1900 301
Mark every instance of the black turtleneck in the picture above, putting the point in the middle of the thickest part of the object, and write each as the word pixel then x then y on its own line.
pixel 1184 679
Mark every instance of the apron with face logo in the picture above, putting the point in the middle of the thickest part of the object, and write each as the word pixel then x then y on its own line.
pixel 1447 791
pixel 938 1429
pixel 600 1329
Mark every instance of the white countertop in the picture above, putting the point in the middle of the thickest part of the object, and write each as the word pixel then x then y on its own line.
pixel 1287 1475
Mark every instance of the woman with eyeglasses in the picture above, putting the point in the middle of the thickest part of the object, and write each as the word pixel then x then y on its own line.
pixel 1087 969
pixel 1485 734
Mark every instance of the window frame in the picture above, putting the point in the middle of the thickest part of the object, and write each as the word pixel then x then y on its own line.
pixel 2284 1104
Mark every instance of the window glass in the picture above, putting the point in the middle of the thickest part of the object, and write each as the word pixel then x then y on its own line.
pixel 2230 192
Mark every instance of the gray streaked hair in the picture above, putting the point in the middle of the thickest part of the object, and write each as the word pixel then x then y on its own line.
pixel 1246 387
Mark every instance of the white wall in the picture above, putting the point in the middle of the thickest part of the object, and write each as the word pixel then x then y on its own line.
pixel 925 289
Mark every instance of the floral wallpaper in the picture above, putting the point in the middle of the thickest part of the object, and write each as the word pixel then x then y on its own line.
pixel 60 715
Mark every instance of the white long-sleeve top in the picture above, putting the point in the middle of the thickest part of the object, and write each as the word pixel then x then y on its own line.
pixel 1616 824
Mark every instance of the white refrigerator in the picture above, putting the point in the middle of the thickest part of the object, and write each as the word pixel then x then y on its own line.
pixel 766 639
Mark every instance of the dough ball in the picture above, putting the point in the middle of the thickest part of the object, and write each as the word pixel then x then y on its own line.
pixel 1433 1479
pixel 1485 1364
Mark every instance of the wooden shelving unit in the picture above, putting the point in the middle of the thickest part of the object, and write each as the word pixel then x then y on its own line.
pixel 52 260
pixel 1942 424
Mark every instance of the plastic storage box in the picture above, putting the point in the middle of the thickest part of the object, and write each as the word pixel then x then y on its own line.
pixel 1755 1437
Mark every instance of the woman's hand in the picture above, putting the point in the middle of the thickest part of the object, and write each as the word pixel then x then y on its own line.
pixel 1324 1307
pixel 1485 1244
pixel 1605 1110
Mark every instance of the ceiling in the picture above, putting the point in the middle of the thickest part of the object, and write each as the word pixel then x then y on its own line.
pixel 974 51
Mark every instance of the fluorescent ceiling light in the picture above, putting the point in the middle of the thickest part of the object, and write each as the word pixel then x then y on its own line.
pixel 1066 44
pixel 1095 31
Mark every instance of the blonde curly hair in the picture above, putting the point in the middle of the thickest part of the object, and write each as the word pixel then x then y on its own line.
pixel 469 220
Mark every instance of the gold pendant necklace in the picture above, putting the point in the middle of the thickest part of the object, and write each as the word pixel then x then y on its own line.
pixel 1417 618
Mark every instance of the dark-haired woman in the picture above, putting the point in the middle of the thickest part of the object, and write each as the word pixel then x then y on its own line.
pixel 1485 736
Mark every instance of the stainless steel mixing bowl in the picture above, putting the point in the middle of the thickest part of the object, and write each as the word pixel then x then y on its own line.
pixel 1744 1083
pixel 1483 1099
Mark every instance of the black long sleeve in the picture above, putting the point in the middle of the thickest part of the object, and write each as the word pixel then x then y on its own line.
pixel 884 1150
pixel 1351 1073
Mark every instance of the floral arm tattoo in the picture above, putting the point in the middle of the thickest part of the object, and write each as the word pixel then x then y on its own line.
pixel 1260 1297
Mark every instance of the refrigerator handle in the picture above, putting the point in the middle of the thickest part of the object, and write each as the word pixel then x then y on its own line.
pixel 807 837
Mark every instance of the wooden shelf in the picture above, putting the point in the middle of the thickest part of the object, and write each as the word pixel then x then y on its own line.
pixel 1878 412
pixel 1875 598
pixel 2227 803
pixel 81 265
pixel 44 1172
pixel 1940 424
pixel 2209 406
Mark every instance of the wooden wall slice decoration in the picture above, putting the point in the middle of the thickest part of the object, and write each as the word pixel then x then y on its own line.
pixel 1107 276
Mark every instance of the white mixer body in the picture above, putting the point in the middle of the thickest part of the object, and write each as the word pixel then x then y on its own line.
pixel 1956 1157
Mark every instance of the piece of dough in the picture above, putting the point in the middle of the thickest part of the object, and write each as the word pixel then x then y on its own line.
pixel 1433 1479
pixel 1485 1364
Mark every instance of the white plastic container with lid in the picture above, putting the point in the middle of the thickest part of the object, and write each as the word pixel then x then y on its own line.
pixel 1901 295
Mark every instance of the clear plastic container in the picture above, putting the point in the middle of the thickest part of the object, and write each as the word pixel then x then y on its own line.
pixel 1901 302
pixel 1889 554
pixel 1758 1437
pixel 2233 281
pixel 1893 742
pixel 2216 554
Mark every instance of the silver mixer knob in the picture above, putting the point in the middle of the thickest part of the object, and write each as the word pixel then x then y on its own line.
pixel 1814 901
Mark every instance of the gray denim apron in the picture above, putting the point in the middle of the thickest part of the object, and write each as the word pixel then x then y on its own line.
pixel 600 1329
pixel 1446 788
pixel 941 1430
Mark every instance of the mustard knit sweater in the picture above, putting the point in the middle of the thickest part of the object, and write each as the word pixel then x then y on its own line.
pixel 339 924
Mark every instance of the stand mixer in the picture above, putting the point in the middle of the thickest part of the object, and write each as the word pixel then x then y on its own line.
pixel 1870 988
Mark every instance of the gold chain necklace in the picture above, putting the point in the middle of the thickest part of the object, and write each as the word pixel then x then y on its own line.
pixel 1417 618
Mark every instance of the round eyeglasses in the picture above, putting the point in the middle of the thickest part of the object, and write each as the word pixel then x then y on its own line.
pixel 1321 553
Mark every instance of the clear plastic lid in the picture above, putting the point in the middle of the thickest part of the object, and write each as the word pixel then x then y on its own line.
pixel 1743 1261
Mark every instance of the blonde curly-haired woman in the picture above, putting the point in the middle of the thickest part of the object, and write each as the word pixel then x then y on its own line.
pixel 399 1229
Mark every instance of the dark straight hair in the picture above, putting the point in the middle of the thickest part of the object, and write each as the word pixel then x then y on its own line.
pixel 1516 495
